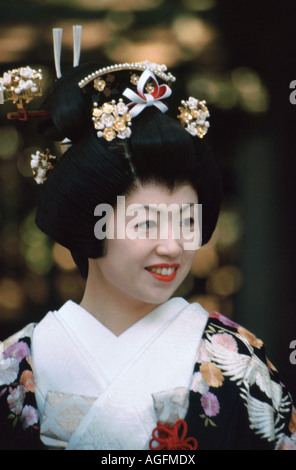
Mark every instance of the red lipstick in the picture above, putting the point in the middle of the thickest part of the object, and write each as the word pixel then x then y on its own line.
pixel 160 274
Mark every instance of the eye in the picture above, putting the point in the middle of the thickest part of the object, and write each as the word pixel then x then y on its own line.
pixel 188 222
pixel 147 225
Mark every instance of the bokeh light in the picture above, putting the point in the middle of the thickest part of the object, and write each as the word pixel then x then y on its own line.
pixel 193 33
pixel 224 281
pixel 253 95
pixel 119 5
pixel 241 88
pixel 11 299
pixel 201 5
pixel 229 228
pixel 69 286
pixel 36 288
pixel 14 41
pixel 158 46
pixel 35 246
pixel 10 141
pixel 205 261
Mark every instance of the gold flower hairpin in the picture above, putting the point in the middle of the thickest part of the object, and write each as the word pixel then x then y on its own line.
pixel 193 116
pixel 112 120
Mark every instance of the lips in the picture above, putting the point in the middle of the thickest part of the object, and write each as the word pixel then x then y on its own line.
pixel 163 272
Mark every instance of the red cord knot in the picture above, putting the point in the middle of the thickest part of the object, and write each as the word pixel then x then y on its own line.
pixel 172 438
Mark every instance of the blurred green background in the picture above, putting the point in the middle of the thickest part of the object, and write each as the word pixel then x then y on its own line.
pixel 239 56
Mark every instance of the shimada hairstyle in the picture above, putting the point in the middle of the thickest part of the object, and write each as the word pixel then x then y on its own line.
pixel 116 140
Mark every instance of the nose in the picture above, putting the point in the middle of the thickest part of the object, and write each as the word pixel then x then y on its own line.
pixel 170 247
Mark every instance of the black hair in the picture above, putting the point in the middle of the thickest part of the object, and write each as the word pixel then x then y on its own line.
pixel 93 171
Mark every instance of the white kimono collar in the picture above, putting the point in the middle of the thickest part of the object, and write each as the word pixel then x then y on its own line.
pixel 100 342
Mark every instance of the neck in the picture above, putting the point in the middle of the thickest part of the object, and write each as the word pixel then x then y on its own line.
pixel 115 310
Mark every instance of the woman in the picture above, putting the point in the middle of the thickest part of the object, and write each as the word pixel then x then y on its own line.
pixel 132 367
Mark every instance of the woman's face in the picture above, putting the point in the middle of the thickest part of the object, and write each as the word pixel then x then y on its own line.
pixel 154 256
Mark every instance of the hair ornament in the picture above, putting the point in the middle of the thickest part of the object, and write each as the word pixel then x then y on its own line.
pixel 57 35
pixel 112 120
pixel 76 44
pixel 41 163
pixel 193 116
pixel 21 86
pixel 140 100
pixel 159 70
pixel 23 83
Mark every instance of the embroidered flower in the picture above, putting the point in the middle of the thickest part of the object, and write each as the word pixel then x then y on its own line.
pixel 18 351
pixel 210 404
pixel 202 352
pixel 27 331
pixel 27 380
pixel 15 399
pixel 252 339
pixel 198 384
pixel 8 371
pixel 226 321
pixel 211 374
pixel 29 416
pixel 226 340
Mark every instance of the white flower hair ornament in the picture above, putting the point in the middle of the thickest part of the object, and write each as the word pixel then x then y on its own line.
pixel 41 163
pixel 21 86
pixel 193 116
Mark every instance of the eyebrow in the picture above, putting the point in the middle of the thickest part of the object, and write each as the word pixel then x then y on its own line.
pixel 156 209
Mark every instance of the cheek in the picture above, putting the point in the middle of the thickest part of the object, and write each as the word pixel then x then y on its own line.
pixel 188 257
pixel 122 256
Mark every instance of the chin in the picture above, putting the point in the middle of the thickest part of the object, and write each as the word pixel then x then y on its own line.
pixel 158 298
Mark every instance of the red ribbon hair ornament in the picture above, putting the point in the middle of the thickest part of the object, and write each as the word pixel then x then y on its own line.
pixel 140 100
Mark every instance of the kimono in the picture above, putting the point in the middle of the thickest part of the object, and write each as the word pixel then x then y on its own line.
pixel 179 379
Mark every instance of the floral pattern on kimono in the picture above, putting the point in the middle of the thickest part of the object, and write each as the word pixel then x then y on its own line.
pixel 235 401
pixel 236 398
pixel 19 420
